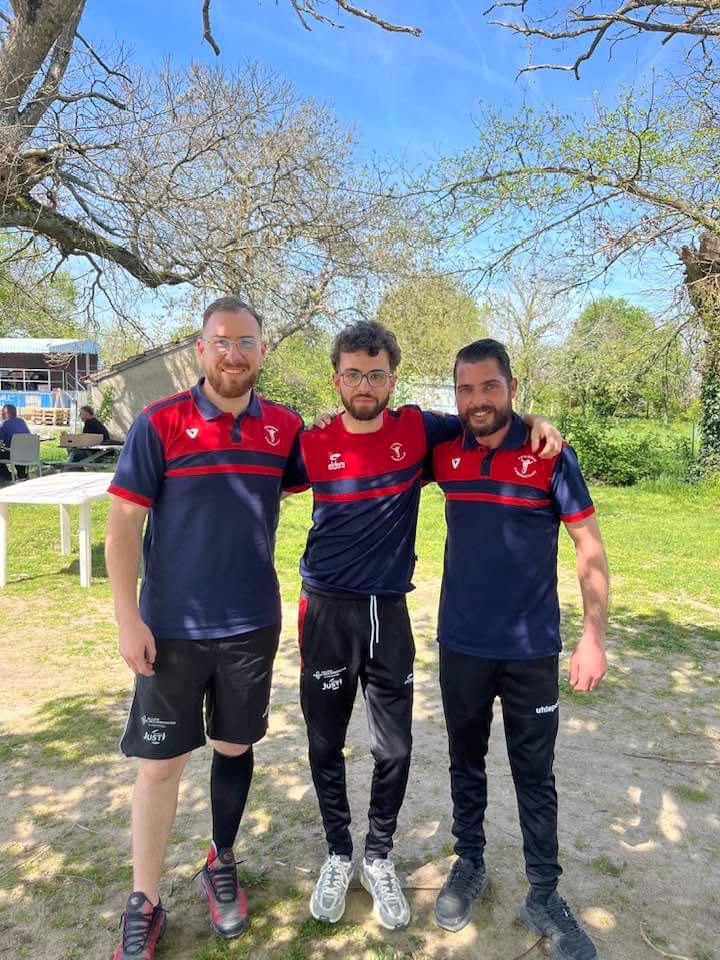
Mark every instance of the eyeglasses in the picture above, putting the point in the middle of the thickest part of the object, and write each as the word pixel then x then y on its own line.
pixel 375 378
pixel 223 344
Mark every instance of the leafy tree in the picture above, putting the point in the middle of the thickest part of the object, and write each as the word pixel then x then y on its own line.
pixel 616 360
pixel 298 372
pixel 203 177
pixel 637 177
pixel 33 302
pixel 623 182
pixel 529 318
pixel 432 316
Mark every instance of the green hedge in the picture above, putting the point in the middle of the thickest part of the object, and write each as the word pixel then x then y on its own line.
pixel 610 456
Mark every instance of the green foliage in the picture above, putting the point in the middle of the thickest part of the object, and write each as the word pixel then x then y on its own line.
pixel 617 361
pixel 687 791
pixel 432 316
pixel 623 458
pixel 298 372
pixel 33 303
pixel 106 404
pixel 710 401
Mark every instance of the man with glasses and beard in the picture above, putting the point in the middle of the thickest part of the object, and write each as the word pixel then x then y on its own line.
pixel 206 468
pixel 365 468
pixel 499 632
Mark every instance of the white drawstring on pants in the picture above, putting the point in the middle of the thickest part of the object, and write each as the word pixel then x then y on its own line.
pixel 374 624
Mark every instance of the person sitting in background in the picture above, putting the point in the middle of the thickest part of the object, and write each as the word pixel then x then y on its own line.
pixel 91 424
pixel 11 424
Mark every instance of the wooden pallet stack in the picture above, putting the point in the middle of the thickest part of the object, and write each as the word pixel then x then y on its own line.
pixel 46 416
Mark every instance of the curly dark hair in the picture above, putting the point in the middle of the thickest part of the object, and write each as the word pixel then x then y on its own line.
pixel 366 336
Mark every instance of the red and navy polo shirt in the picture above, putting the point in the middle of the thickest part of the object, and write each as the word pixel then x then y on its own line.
pixel 212 482
pixel 503 510
pixel 366 493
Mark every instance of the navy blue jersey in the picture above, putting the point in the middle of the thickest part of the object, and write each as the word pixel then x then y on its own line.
pixel 503 510
pixel 366 492
pixel 213 483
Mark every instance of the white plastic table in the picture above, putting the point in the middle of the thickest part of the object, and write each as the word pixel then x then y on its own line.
pixel 66 490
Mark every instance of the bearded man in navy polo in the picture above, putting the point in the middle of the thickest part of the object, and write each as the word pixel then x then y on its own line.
pixel 203 471
pixel 499 632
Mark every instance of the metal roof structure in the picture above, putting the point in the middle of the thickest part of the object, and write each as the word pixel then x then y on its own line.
pixel 46 345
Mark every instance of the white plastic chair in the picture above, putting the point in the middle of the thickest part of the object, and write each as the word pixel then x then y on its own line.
pixel 24 452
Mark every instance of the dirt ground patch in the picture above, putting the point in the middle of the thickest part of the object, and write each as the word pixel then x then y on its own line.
pixel 639 835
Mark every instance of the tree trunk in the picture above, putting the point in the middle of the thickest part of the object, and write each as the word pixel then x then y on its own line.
pixel 702 279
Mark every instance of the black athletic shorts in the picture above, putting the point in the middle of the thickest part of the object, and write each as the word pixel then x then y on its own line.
pixel 229 677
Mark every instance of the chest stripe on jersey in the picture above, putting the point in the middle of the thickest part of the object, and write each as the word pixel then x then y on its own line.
pixel 497 498
pixel 225 468
pixel 369 494
pixel 380 480
pixel 226 456
pixel 502 488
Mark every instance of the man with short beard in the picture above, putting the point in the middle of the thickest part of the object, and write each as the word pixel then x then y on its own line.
pixel 365 469
pixel 206 467
pixel 499 632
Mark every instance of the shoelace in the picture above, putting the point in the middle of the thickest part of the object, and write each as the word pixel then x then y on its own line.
pixel 224 882
pixel 332 874
pixel 465 877
pixel 136 927
pixel 563 916
pixel 388 883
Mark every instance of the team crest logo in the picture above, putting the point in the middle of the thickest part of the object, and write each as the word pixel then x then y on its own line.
pixel 271 435
pixel 455 462
pixel 397 451
pixel 192 432
pixel 526 462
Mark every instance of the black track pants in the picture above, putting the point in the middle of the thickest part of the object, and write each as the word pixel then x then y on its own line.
pixel 345 638
pixel 528 690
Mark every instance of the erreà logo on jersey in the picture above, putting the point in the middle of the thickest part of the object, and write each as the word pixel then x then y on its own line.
pixel 455 462
pixel 335 462
pixel 271 435
pixel 397 451
pixel 192 432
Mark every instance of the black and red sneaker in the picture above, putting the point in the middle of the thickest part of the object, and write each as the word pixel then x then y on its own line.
pixel 226 898
pixel 142 926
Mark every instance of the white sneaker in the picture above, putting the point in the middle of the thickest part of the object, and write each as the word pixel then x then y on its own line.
pixel 327 902
pixel 391 909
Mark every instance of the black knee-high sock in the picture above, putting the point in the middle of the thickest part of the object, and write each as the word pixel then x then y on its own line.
pixel 229 785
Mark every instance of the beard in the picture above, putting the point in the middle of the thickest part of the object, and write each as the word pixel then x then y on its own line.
pixel 364 411
pixel 233 384
pixel 498 418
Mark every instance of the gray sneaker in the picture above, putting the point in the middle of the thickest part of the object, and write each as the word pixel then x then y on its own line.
pixel 327 902
pixel 391 909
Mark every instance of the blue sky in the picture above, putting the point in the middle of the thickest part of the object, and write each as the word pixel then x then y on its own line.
pixel 413 98
pixel 409 96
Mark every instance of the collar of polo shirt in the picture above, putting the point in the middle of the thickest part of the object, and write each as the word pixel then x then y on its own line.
pixel 208 409
pixel 515 438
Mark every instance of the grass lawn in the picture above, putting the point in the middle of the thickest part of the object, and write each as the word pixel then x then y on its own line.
pixel 640 836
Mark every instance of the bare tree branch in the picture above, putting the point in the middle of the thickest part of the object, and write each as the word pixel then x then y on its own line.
pixel 690 18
